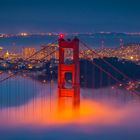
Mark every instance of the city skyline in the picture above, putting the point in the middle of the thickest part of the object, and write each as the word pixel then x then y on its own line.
pixel 69 69
pixel 69 16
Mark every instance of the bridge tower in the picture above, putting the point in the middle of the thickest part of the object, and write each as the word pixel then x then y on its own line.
pixel 73 68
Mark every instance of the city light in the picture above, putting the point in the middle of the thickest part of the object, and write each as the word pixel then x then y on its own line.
pixel 131 57
pixel 69 70
pixel 23 34
pixel 1 48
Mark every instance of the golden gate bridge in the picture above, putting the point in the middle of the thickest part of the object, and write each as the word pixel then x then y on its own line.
pixel 74 68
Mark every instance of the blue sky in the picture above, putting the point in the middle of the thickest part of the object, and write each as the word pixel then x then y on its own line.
pixel 69 15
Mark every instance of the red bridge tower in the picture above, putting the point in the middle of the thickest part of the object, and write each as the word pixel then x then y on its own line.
pixel 72 68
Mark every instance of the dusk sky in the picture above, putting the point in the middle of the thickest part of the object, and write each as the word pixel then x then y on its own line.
pixel 69 15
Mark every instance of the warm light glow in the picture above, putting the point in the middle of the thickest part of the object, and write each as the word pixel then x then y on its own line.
pixel 30 66
pixel 6 54
pixel 1 48
pixel 132 57
pixel 41 112
pixel 24 34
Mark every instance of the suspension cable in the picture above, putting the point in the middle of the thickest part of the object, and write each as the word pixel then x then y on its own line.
pixel 36 53
pixel 109 64
pixel 110 75
pixel 13 74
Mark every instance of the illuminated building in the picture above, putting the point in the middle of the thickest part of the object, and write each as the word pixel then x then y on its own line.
pixel 10 56
pixel 27 52
pixel 2 35
pixel 1 51
pixel 6 55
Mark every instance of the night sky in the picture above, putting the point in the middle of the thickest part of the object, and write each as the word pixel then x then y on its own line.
pixel 69 16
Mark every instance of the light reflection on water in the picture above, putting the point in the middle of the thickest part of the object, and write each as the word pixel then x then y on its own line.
pixel 101 111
